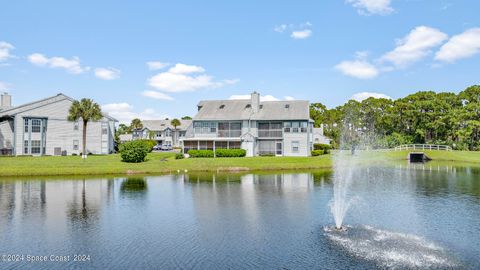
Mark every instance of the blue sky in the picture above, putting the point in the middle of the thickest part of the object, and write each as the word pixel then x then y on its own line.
pixel 326 51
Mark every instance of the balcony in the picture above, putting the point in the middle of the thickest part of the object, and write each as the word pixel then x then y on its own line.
pixel 270 133
pixel 229 133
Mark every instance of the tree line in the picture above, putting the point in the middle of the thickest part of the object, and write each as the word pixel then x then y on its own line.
pixel 423 117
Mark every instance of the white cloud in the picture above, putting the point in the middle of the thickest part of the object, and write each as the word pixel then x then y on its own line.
pixel 415 46
pixel 4 86
pixel 71 65
pixel 301 34
pixel 460 46
pixel 262 98
pixel 360 69
pixel 107 73
pixel 124 112
pixel 280 28
pixel 365 95
pixel 155 65
pixel 370 7
pixel 299 31
pixel 156 95
pixel 186 69
pixel 185 78
pixel 5 49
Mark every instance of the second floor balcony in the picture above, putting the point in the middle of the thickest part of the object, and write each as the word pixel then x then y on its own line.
pixel 229 133
pixel 270 133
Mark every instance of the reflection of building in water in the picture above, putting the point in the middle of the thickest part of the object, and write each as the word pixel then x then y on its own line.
pixel 252 203
pixel 279 181
pixel 50 203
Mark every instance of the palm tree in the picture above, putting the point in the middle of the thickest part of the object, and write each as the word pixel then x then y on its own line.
pixel 87 110
pixel 175 123
pixel 136 124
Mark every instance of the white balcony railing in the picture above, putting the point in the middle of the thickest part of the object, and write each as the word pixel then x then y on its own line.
pixel 270 133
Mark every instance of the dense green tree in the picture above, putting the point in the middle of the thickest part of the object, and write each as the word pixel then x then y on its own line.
pixel 422 117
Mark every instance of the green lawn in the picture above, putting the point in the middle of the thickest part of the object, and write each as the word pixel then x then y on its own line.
pixel 158 163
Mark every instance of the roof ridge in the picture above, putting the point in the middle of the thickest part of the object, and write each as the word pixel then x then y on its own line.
pixel 37 101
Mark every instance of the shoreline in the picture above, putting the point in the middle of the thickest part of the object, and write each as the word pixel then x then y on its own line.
pixel 165 163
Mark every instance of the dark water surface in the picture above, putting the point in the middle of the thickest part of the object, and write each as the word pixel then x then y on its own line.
pixel 426 216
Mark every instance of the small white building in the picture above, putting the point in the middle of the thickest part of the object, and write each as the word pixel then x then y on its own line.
pixel 42 128
pixel 319 137
pixel 162 131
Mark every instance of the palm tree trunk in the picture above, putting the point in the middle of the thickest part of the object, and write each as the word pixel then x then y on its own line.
pixel 84 153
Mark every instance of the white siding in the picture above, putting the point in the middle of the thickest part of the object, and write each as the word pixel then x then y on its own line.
pixel 302 138
pixel 6 134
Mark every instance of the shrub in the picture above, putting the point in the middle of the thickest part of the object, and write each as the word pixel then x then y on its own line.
pixel 149 144
pixel 325 147
pixel 201 153
pixel 230 152
pixel 317 153
pixel 267 155
pixel 134 151
pixel 179 156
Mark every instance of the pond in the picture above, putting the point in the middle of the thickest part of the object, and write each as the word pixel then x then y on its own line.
pixel 430 215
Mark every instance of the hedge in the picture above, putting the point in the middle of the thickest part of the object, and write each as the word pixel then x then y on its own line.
pixel 200 153
pixel 230 152
pixel 179 156
pixel 317 153
pixel 134 151
pixel 320 146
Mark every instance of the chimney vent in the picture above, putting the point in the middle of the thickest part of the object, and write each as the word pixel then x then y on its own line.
pixel 5 101
pixel 255 101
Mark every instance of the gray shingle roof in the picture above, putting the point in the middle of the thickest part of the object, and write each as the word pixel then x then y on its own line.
pixel 164 124
pixel 242 110
pixel 35 104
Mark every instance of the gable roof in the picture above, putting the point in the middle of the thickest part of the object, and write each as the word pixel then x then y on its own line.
pixel 39 103
pixel 242 110
pixel 164 124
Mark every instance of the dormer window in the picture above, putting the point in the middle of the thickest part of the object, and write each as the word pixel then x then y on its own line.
pixel 248 106
pixel 221 106
pixel 261 106
pixel 199 107
pixel 287 106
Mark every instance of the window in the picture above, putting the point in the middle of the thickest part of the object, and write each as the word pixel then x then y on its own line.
pixel 295 146
pixel 159 134
pixel 76 125
pixel 182 134
pixel 261 106
pixel 248 106
pixel 295 126
pixel 25 147
pixel 25 121
pixel 35 147
pixel 36 125
pixel 168 133
pixel 287 106
pixel 205 127
pixel 75 144
pixel 222 106
pixel 104 129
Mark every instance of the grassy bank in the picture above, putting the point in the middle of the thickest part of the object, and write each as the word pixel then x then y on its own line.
pixel 158 163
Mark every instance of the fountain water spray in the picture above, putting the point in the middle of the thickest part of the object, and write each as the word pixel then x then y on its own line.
pixel 354 140
pixel 342 179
